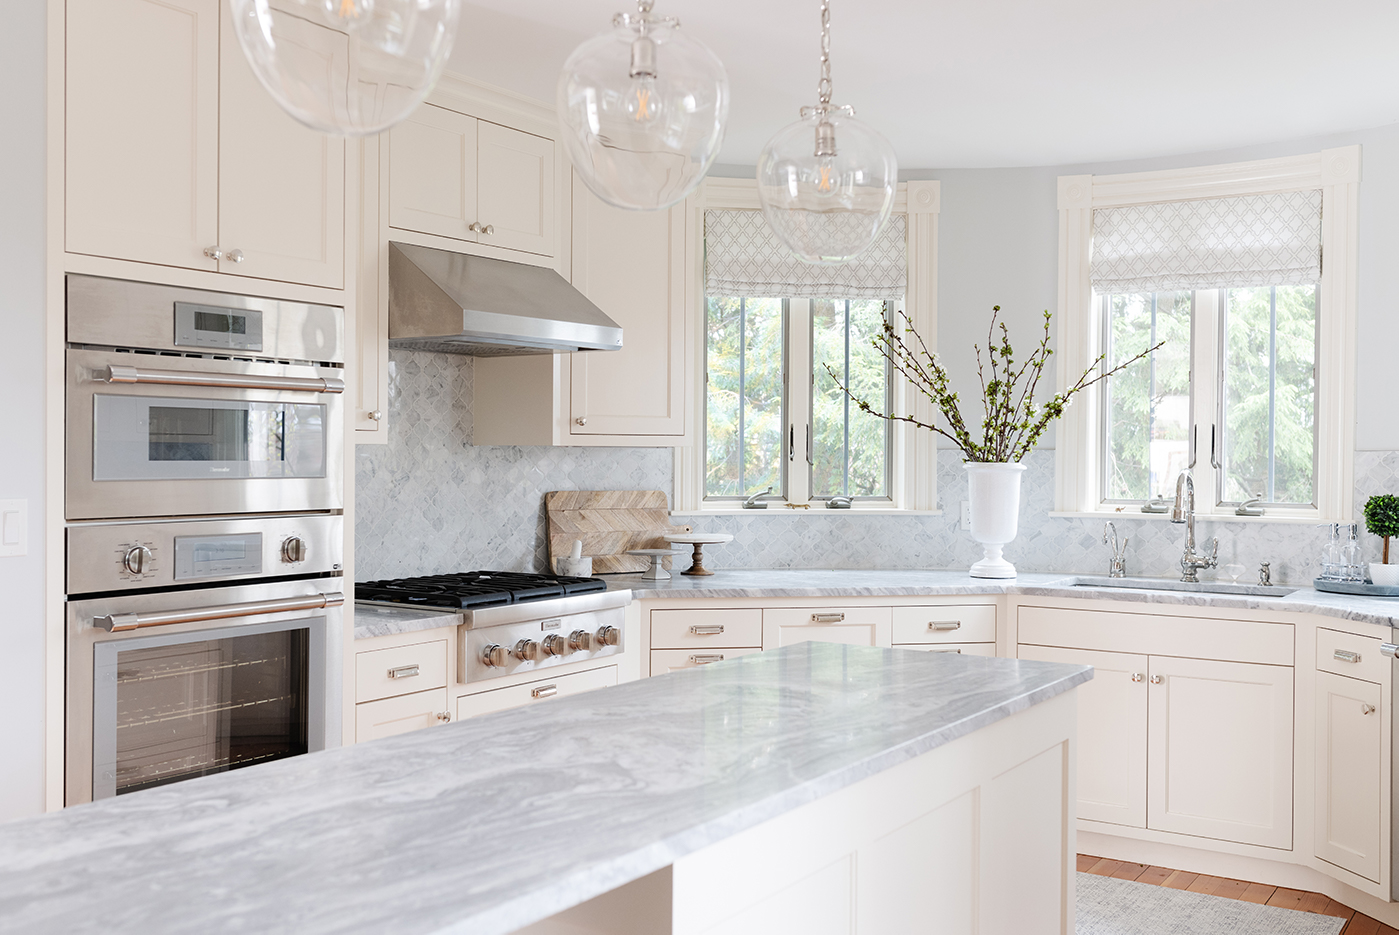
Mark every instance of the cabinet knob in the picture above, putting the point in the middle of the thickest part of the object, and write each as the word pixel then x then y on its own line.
pixel 235 255
pixel 213 253
pixel 444 715
pixel 478 228
pixel 1156 680
pixel 581 420
pixel 1138 677
pixel 1367 709
pixel 376 415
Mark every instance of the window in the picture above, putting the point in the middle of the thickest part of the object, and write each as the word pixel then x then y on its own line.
pixel 1253 389
pixel 776 418
pixel 1258 414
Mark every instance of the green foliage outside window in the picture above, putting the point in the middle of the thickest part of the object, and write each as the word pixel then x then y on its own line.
pixel 853 465
pixel 745 399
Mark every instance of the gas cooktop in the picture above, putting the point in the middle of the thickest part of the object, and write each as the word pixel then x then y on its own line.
pixel 474 589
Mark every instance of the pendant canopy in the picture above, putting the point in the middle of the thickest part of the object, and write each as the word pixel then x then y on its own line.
pixel 347 67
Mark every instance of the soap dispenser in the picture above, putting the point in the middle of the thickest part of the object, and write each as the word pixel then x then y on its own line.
pixel 1331 555
pixel 1351 567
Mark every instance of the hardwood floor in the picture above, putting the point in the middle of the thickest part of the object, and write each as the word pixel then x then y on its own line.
pixel 1356 923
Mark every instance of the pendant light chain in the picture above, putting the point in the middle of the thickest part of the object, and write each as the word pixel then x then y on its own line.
pixel 823 87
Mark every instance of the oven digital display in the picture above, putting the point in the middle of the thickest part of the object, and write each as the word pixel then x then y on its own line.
pixel 232 329
pixel 218 556
pixel 219 323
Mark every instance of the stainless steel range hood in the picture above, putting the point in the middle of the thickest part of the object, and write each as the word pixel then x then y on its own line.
pixel 461 304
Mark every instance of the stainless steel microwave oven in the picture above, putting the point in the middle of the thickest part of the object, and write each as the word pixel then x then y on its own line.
pixel 183 402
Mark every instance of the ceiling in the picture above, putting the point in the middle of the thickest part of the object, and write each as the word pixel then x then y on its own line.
pixel 981 83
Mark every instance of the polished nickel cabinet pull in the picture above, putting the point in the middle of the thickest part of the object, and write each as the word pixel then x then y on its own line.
pixel 1138 677
pixel 1345 655
pixel 545 691
pixel 120 373
pixel 115 623
pixel 706 659
pixel 827 618
pixel 444 715
pixel 404 672
pixel 708 629
pixel 1156 680
pixel 944 624
pixel 1367 709
pixel 1389 649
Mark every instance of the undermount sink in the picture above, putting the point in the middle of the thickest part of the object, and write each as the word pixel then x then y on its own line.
pixel 1165 584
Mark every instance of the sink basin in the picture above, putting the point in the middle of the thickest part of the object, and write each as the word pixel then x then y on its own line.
pixel 1166 584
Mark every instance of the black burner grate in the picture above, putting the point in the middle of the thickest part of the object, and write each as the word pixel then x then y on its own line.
pixel 472 589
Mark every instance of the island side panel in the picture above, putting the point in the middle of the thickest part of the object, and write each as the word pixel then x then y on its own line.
pixel 976 836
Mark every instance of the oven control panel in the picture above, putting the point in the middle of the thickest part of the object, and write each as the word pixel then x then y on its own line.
pixel 491 652
pixel 121 556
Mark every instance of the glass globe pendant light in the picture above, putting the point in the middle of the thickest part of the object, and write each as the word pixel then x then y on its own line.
pixel 642 109
pixel 827 182
pixel 347 67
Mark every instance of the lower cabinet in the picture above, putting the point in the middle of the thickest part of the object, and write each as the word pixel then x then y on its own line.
pixel 965 649
pixel 854 626
pixel 1349 773
pixel 515 696
pixel 389 716
pixel 673 660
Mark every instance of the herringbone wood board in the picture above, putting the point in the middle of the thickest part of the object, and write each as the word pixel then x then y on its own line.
pixel 609 522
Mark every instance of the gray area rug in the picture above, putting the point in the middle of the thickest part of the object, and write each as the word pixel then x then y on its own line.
pixel 1122 907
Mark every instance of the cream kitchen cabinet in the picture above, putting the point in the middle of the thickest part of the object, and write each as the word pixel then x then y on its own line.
pixel 198 168
pixel 1349 773
pixel 454 175
pixel 855 626
pixel 631 264
pixel 400 714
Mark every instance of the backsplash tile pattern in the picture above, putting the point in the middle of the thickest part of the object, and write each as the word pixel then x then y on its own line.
pixel 430 501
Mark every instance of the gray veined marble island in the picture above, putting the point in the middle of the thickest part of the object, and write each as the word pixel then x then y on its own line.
pixel 810 790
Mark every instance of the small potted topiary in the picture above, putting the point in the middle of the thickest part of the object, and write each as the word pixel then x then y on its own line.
pixel 1382 519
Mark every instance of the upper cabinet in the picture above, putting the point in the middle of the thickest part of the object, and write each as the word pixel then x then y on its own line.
pixel 452 175
pixel 198 167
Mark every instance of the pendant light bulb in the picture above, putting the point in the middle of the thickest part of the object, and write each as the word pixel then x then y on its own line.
pixel 347 67
pixel 827 182
pixel 642 111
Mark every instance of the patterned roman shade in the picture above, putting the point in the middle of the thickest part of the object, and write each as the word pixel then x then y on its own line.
pixel 744 258
pixel 1254 240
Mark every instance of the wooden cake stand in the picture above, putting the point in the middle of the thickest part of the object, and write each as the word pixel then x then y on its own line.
pixel 699 540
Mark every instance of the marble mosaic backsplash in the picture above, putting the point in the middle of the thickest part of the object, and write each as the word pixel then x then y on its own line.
pixel 429 501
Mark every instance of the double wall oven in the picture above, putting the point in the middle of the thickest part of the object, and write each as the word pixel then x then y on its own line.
pixel 204 490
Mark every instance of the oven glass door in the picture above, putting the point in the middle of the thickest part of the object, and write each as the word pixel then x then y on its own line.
pixel 163 438
pixel 173 707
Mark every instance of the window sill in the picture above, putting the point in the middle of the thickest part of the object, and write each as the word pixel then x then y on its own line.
pixel 1132 512
pixel 813 511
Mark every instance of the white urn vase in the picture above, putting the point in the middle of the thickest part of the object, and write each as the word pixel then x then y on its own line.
pixel 994 503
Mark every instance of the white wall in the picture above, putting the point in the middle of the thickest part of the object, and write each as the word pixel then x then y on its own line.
pixel 22 108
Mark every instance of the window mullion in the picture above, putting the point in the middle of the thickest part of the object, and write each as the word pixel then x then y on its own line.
pixel 1206 371
pixel 799 390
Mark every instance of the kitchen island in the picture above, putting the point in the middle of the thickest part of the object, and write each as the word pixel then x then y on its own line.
pixel 818 788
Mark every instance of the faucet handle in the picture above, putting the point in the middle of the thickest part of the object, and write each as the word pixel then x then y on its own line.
pixel 1214 551
pixel 1265 575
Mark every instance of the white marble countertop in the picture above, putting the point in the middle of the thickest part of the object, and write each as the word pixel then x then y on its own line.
pixel 831 582
pixel 486 825
pixel 378 620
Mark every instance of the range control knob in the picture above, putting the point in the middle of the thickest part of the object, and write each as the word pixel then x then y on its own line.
pixel 527 650
pixel 580 640
pixel 608 636
pixel 555 645
pixel 494 655
pixel 294 550
pixel 137 560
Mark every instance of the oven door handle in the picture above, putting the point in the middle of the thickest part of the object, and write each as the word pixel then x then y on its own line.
pixel 116 623
pixel 119 373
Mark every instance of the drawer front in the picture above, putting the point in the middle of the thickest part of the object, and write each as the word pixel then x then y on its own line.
pixel 401 670
pixel 1356 657
pixel 854 626
pixel 528 693
pixel 673 660
pixel 1158 634
pixel 966 649
pixel 948 623
pixel 686 629
pixel 389 716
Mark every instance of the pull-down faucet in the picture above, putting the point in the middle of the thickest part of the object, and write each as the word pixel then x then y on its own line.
pixel 1184 512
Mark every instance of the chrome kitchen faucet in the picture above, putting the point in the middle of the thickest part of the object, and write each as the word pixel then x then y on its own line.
pixel 1117 565
pixel 1184 512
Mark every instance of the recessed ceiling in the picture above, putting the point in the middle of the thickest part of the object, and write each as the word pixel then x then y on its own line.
pixel 1004 82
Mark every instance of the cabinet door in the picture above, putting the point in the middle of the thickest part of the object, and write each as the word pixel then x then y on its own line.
pixel 631 265
pixel 1219 750
pixel 375 719
pixel 141 130
pixel 1111 733
pixel 853 626
pixel 432 173
pixel 525 693
pixel 1348 774
pixel 515 189
pixel 281 185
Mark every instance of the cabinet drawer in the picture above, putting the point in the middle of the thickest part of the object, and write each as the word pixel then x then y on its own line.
pixel 1158 634
pixel 947 623
pixel 686 629
pixel 854 626
pixel 516 695
pixel 384 673
pixel 1356 657
pixel 673 660
pixel 389 716
pixel 966 649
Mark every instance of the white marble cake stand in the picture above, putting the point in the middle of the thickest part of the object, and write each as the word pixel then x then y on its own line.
pixel 657 556
pixel 699 540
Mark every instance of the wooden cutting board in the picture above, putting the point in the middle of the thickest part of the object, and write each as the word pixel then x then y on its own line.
pixel 609 522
